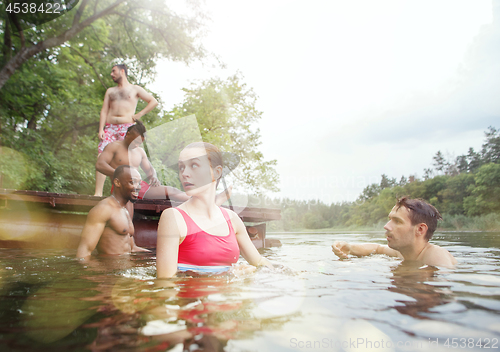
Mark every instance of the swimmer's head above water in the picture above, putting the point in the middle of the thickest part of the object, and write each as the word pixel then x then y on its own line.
pixel 127 182
pixel 200 164
pixel 419 211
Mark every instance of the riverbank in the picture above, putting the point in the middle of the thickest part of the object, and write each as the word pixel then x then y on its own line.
pixel 450 223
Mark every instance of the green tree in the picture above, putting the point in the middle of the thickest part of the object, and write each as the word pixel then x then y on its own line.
pixel 433 186
pixel 462 164
pixel 485 196
pixel 226 115
pixel 369 192
pixel 50 103
pixel 387 182
pixel 289 219
pixel 313 220
pixel 141 30
pixel 474 160
pixel 456 189
pixel 403 181
pixel 440 162
pixel 491 149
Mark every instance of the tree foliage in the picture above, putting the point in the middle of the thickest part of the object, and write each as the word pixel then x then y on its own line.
pixel 50 100
pixel 485 195
pixel 472 190
pixel 142 31
pixel 226 115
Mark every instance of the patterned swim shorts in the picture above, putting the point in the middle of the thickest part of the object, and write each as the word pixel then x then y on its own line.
pixel 112 133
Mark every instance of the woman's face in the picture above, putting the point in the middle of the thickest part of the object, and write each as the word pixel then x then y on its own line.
pixel 195 172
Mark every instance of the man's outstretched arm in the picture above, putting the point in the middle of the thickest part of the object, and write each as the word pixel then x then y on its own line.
pixel 342 249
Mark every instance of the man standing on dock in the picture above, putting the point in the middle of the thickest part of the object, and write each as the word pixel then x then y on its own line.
pixel 412 223
pixel 118 113
pixel 109 226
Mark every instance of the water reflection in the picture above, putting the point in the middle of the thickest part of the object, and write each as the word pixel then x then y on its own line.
pixel 50 301
pixel 204 312
pixel 99 305
pixel 423 286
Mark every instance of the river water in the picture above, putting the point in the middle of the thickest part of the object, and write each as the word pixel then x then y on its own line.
pixel 311 302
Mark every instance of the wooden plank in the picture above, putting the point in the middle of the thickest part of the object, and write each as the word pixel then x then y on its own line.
pixel 83 203
pixel 32 219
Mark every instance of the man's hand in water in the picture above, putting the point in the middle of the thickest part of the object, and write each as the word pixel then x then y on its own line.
pixel 341 249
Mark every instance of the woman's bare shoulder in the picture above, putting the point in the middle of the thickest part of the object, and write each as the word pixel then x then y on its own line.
pixel 170 212
pixel 171 217
pixel 232 215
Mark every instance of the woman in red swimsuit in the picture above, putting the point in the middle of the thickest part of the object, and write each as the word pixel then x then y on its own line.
pixel 198 235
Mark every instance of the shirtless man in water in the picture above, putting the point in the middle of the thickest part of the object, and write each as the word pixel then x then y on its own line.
pixel 128 152
pixel 118 113
pixel 109 225
pixel 412 223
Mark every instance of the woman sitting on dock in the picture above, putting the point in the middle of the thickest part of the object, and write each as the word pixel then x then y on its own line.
pixel 198 235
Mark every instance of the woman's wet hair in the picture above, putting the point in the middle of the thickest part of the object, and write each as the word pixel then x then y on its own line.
pixel 213 153
pixel 421 212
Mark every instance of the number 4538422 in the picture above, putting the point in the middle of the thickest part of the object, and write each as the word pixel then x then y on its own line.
pixel 471 343
pixel 15 7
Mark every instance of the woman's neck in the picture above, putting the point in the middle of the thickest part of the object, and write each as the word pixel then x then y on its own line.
pixel 203 204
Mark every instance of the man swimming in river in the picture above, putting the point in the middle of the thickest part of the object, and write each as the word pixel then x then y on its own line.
pixel 118 113
pixel 411 224
pixel 128 152
pixel 109 226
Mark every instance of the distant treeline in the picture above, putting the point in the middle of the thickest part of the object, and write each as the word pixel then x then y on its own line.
pixel 466 190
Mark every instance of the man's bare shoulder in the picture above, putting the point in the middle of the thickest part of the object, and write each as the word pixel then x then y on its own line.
pixel 136 151
pixel 138 88
pixel 141 150
pixel 113 146
pixel 438 256
pixel 142 93
pixel 110 90
pixel 104 209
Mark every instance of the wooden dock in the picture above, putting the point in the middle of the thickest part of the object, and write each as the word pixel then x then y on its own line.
pixel 32 219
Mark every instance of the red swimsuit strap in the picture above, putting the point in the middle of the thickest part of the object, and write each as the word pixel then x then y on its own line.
pixel 193 228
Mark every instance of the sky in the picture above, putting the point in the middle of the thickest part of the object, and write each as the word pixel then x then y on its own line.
pixel 351 90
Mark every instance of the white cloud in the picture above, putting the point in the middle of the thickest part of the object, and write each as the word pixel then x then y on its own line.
pixel 353 89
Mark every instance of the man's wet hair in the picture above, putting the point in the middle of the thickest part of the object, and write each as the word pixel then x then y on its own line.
pixel 122 67
pixel 421 212
pixel 138 127
pixel 120 170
